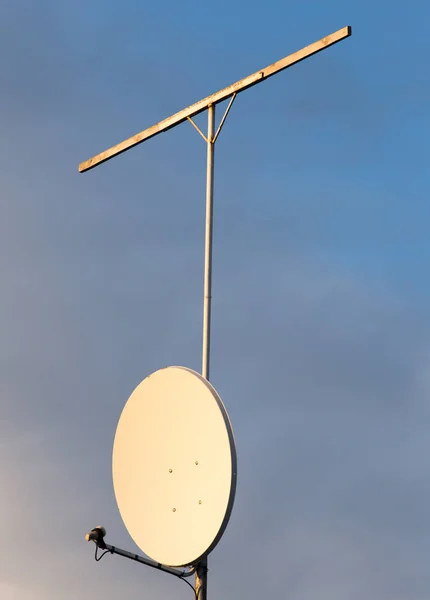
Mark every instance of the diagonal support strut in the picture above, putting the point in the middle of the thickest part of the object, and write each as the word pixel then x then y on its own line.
pixel 230 104
pixel 197 128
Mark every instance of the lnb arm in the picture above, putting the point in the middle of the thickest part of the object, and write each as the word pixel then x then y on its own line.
pixel 97 535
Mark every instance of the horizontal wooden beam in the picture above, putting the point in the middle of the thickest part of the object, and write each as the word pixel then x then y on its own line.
pixel 219 96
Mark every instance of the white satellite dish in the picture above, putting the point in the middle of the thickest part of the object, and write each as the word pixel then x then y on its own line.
pixel 174 466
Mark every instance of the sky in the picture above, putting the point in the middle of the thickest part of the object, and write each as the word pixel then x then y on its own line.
pixel 321 343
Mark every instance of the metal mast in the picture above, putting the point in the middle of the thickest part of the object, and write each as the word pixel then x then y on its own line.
pixel 188 113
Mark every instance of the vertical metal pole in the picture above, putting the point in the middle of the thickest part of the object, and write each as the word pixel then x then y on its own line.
pixel 208 243
pixel 202 567
pixel 202 580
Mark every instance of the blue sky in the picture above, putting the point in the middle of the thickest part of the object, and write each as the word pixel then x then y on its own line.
pixel 321 346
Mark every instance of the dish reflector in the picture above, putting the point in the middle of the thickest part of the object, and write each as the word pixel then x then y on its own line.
pixel 174 466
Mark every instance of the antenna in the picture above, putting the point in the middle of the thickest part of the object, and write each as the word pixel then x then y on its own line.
pixel 121 457
pixel 174 467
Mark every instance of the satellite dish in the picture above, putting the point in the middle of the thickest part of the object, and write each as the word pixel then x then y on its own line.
pixel 174 466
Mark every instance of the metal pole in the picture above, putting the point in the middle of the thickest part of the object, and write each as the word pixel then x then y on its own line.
pixel 202 579
pixel 208 243
pixel 202 567
pixel 145 561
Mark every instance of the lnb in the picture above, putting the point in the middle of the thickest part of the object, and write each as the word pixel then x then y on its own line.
pixel 96 535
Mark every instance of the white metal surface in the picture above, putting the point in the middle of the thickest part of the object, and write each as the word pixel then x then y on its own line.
pixel 174 466
pixel 214 99
pixel 207 293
